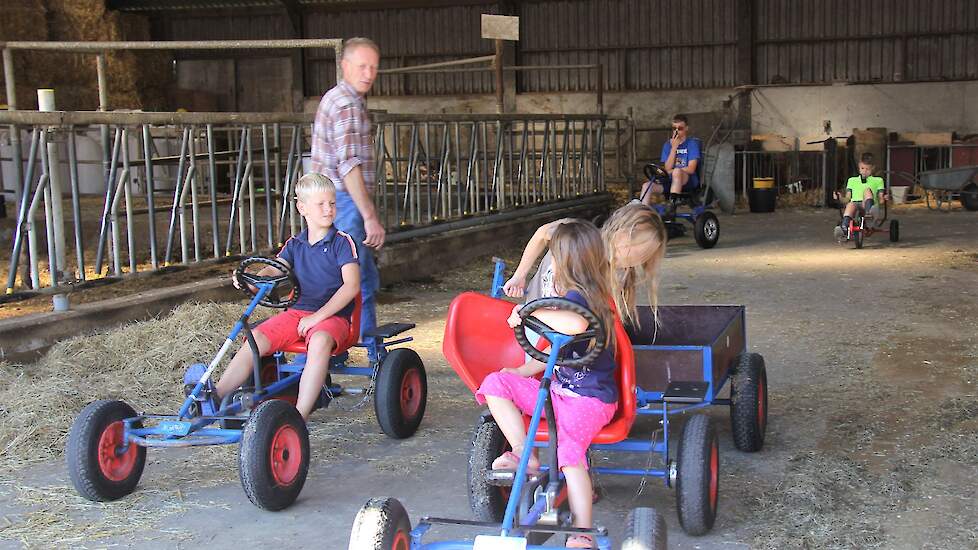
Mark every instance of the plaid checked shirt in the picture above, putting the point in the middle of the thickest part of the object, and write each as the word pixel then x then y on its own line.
pixel 341 137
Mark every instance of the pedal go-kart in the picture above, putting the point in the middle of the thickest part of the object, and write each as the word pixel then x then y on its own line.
pixel 687 207
pixel 106 449
pixel 698 349
pixel 863 224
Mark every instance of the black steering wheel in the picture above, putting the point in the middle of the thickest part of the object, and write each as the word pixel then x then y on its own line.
pixel 285 289
pixel 594 331
pixel 654 171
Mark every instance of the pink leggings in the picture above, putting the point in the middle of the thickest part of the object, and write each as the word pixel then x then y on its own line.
pixel 579 418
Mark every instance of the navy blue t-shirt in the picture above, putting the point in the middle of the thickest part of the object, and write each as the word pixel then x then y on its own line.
pixel 594 380
pixel 318 266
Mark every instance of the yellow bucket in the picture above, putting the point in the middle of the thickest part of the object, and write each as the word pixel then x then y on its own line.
pixel 763 183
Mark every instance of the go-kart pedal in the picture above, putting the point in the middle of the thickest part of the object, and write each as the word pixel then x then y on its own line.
pixel 207 403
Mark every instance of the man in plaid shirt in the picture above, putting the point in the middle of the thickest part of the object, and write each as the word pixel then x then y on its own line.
pixel 342 150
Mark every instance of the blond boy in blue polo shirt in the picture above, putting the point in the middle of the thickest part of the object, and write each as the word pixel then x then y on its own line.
pixel 324 260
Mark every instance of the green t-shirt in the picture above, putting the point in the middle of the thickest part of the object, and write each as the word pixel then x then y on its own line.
pixel 856 186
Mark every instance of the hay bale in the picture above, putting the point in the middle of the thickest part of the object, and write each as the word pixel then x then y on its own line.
pixel 135 80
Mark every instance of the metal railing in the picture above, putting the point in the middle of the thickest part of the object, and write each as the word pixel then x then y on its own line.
pixel 792 171
pixel 181 188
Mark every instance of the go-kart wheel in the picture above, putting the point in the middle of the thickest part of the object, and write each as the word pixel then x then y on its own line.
pixel 488 501
pixel 285 287
pixel 269 375
pixel 857 237
pixel 97 468
pixel 381 524
pixel 402 393
pixel 894 231
pixel 273 458
pixel 748 402
pixel 969 197
pixel 645 529
pixel 707 230
pixel 594 330
pixel 698 481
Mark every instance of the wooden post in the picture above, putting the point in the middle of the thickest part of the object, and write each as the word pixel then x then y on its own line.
pixel 498 62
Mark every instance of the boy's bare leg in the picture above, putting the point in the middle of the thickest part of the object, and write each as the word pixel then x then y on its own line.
pixel 319 348
pixel 679 179
pixel 241 366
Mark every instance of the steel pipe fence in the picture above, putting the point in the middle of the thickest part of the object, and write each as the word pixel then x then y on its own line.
pixel 792 171
pixel 181 188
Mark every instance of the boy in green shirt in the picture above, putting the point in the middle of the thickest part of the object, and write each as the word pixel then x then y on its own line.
pixel 866 188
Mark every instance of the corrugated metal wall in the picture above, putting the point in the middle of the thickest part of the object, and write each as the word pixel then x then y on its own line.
pixel 642 44
pixel 237 24
pixel 817 41
pixel 412 36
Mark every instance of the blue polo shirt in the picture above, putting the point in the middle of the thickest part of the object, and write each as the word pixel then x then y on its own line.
pixel 594 380
pixel 318 266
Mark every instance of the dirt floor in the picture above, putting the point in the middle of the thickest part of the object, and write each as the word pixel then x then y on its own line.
pixel 872 441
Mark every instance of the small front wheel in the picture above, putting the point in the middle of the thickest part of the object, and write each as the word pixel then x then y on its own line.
pixel 707 230
pixel 273 459
pixel 100 467
pixel 697 485
pixel 402 393
pixel 645 529
pixel 894 231
pixel 381 524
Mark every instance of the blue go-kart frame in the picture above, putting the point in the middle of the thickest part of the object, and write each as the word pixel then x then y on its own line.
pixel 706 226
pixel 107 443
pixel 679 368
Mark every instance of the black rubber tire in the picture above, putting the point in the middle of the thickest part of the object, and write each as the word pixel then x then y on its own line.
pixel 381 524
pixel 697 486
pixel 969 197
pixel 488 502
pixel 392 401
pixel 645 529
pixel 748 402
pixel 894 231
pixel 81 453
pixel 255 465
pixel 707 230
pixel 858 238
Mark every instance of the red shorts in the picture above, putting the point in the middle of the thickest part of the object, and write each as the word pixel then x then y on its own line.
pixel 283 329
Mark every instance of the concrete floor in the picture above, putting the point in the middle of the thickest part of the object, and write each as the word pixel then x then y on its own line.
pixel 865 350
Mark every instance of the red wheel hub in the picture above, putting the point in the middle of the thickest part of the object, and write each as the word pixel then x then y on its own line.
pixel 401 541
pixel 714 474
pixel 286 455
pixel 410 393
pixel 114 465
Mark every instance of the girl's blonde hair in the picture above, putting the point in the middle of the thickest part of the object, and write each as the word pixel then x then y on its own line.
pixel 580 264
pixel 638 224
pixel 311 183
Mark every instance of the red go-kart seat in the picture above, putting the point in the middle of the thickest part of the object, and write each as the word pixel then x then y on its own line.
pixel 352 338
pixel 478 341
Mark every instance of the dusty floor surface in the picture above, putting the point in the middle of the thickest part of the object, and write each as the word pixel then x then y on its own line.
pixel 872 359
